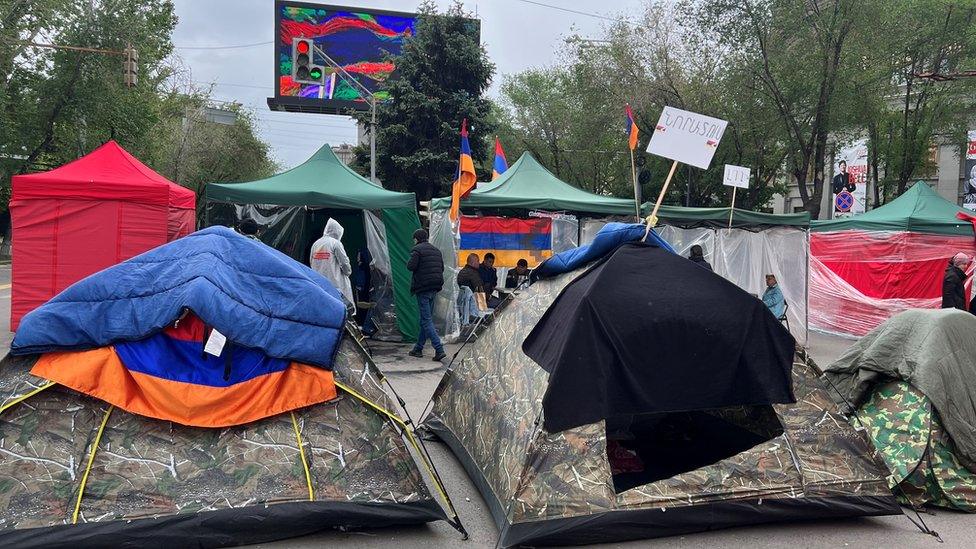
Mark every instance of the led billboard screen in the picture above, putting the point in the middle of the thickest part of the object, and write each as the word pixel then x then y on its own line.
pixel 358 39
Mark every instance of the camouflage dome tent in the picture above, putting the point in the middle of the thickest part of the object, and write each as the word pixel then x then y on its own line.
pixel 587 484
pixel 121 425
pixel 911 383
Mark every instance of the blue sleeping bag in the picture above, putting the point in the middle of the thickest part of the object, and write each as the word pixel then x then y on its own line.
pixel 610 237
pixel 249 292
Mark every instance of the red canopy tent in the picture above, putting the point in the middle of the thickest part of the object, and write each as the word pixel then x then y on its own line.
pixel 88 215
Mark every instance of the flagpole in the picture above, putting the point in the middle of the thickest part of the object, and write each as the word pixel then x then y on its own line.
pixel 732 210
pixel 652 219
pixel 637 193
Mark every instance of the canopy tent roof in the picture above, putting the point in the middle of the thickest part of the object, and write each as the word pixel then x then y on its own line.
pixel 918 210
pixel 685 217
pixel 322 180
pixel 528 185
pixel 107 173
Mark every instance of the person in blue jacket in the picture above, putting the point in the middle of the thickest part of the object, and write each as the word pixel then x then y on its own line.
pixel 773 297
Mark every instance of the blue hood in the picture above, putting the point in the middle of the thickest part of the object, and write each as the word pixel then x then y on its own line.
pixel 251 293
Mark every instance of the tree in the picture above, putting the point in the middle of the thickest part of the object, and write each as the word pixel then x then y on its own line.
pixel 796 52
pixel 442 74
pixel 57 105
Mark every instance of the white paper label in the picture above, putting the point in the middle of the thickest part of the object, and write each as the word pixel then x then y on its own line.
pixel 215 343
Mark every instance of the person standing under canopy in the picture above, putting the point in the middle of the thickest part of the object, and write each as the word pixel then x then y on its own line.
pixel 773 297
pixel 954 283
pixel 698 257
pixel 427 266
pixel 329 259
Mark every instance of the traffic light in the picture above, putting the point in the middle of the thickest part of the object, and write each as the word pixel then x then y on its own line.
pixel 130 67
pixel 303 70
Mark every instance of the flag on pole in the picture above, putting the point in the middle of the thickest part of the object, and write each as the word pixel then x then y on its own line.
pixel 466 180
pixel 501 164
pixel 632 130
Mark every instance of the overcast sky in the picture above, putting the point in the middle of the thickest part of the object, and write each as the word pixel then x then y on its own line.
pixel 518 34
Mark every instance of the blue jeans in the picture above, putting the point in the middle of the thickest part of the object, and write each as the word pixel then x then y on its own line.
pixel 425 301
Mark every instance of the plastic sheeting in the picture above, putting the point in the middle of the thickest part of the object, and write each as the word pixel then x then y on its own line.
pixel 745 258
pixel 859 279
pixel 383 313
pixel 565 236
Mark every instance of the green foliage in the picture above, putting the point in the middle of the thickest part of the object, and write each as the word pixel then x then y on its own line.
pixel 443 74
pixel 795 80
pixel 57 105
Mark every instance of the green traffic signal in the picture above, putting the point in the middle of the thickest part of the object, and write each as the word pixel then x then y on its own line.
pixel 315 73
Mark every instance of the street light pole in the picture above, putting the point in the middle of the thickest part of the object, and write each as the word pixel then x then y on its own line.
pixel 372 106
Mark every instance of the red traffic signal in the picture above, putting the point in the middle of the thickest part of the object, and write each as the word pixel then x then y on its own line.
pixel 303 69
pixel 302 46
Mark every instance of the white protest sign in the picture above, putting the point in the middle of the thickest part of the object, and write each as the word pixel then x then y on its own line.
pixel 736 176
pixel 686 137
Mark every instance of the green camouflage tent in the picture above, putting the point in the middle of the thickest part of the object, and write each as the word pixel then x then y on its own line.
pixel 564 488
pixel 910 383
pixel 915 446
pixel 76 473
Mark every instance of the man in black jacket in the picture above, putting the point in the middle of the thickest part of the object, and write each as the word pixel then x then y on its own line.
pixel 954 283
pixel 427 267
pixel 842 181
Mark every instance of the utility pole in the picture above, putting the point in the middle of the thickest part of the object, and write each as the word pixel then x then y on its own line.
pixel 372 107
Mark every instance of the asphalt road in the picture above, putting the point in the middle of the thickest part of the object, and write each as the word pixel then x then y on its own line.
pixel 416 379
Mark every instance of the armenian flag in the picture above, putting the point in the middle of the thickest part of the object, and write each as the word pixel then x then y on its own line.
pixel 466 180
pixel 170 376
pixel 632 130
pixel 501 164
pixel 508 238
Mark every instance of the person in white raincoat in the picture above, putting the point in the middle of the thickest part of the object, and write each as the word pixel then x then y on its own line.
pixel 329 259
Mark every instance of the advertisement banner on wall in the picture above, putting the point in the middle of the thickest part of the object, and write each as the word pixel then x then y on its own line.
pixel 850 179
pixel 969 201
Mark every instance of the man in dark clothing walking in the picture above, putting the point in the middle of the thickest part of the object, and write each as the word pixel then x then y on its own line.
pixel 698 256
pixel 954 283
pixel 427 267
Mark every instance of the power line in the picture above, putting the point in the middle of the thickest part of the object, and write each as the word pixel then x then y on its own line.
pixel 216 83
pixel 560 8
pixel 234 47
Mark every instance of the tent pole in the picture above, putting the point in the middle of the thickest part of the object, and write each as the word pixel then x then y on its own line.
pixel 372 140
pixel 637 189
pixel 652 219
pixel 732 209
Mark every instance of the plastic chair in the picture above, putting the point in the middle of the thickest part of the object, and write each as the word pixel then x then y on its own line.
pixel 782 317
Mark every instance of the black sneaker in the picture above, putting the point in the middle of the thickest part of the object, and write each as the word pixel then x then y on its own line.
pixel 440 356
pixel 417 354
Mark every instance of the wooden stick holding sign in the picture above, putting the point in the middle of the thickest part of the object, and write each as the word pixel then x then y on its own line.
pixel 686 137
pixel 736 177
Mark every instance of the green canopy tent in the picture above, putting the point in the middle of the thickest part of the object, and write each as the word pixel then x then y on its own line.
pixel 525 187
pixel 291 209
pixel 918 210
pixel 867 268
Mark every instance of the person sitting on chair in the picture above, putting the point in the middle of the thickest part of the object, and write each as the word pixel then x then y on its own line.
pixel 773 297
pixel 518 276
pixel 470 276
